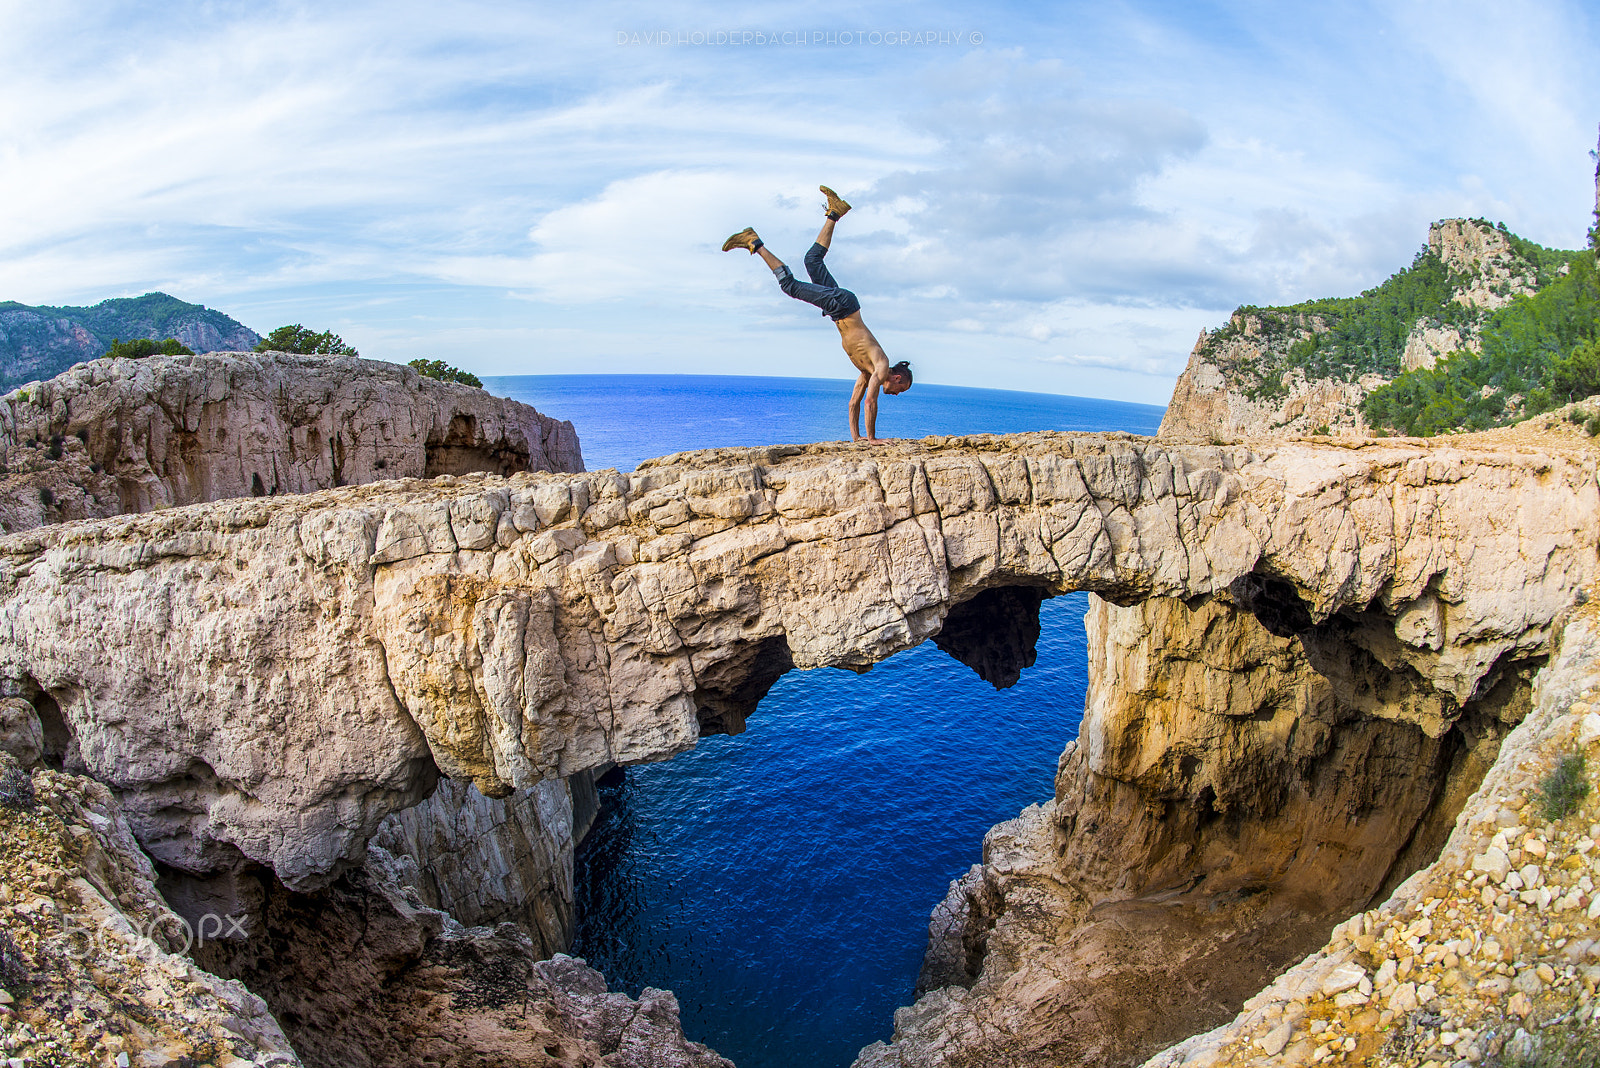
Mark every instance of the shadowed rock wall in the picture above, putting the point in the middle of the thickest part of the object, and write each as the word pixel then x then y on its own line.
pixel 1229 799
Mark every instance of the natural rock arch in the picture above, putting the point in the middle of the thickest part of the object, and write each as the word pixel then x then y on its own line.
pixel 320 654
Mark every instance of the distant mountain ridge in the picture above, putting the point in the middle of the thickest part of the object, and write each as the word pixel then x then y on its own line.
pixel 40 342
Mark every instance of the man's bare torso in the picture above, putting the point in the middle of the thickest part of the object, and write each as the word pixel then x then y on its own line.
pixel 859 344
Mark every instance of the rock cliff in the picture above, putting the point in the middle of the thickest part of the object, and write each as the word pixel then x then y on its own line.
pixel 1234 793
pixel 92 960
pixel 1251 379
pixel 1491 951
pixel 487 860
pixel 96 967
pixel 110 437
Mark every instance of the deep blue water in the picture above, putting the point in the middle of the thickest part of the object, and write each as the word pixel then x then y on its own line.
pixel 779 881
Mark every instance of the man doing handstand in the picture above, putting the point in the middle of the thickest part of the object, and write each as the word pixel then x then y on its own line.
pixel 844 309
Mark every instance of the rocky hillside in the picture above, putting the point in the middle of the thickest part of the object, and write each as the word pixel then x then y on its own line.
pixel 1308 661
pixel 1305 369
pixel 41 342
pixel 98 970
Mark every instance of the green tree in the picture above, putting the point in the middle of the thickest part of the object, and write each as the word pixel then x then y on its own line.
pixel 1542 348
pixel 1576 375
pixel 445 373
pixel 139 348
pixel 296 338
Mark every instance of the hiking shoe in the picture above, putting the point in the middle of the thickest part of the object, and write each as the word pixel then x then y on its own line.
pixel 836 204
pixel 745 238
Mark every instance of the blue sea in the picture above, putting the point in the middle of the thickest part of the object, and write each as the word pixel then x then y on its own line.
pixel 779 881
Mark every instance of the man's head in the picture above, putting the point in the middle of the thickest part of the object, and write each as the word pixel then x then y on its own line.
pixel 899 379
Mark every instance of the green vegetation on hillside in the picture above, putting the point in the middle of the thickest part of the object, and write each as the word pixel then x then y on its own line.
pixel 1539 353
pixel 1347 336
pixel 139 348
pixel 296 338
pixel 445 373
pixel 160 314
pixel 41 342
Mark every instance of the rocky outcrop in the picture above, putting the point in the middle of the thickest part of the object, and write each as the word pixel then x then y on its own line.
pixel 1428 343
pixel 1208 404
pixel 363 975
pixel 95 966
pixel 1245 380
pixel 1490 951
pixel 116 436
pixel 327 653
pixel 1490 271
pixel 137 435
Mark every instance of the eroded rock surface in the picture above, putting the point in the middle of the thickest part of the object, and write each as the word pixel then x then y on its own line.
pixel 93 965
pixel 1489 954
pixel 109 437
pixel 1304 658
pixel 92 961
pixel 327 652
pixel 486 860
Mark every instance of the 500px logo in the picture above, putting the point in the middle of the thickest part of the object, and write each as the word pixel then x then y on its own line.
pixel 793 38
pixel 154 938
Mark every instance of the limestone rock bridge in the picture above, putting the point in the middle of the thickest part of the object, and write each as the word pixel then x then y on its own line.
pixel 266 679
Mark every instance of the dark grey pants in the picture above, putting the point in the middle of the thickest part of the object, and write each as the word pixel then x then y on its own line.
pixel 822 290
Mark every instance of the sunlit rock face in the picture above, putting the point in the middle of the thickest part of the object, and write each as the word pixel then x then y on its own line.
pixel 265 680
pixel 115 436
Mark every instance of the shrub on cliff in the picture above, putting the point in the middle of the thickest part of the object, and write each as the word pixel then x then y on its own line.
pixel 445 373
pixel 1348 336
pixel 1563 788
pixel 139 348
pixel 296 338
pixel 16 791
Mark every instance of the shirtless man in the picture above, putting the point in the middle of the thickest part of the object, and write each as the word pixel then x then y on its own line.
pixel 844 309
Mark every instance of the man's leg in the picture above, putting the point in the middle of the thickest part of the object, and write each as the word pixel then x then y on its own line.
pixel 814 266
pixel 769 259
pixel 831 299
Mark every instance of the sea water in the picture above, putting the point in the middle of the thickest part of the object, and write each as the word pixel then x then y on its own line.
pixel 779 881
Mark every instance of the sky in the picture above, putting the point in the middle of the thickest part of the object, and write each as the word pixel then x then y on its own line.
pixel 1054 197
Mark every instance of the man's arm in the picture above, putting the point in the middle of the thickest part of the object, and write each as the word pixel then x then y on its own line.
pixel 855 407
pixel 873 386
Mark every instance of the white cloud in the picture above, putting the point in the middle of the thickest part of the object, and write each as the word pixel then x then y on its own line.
pixel 1079 195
